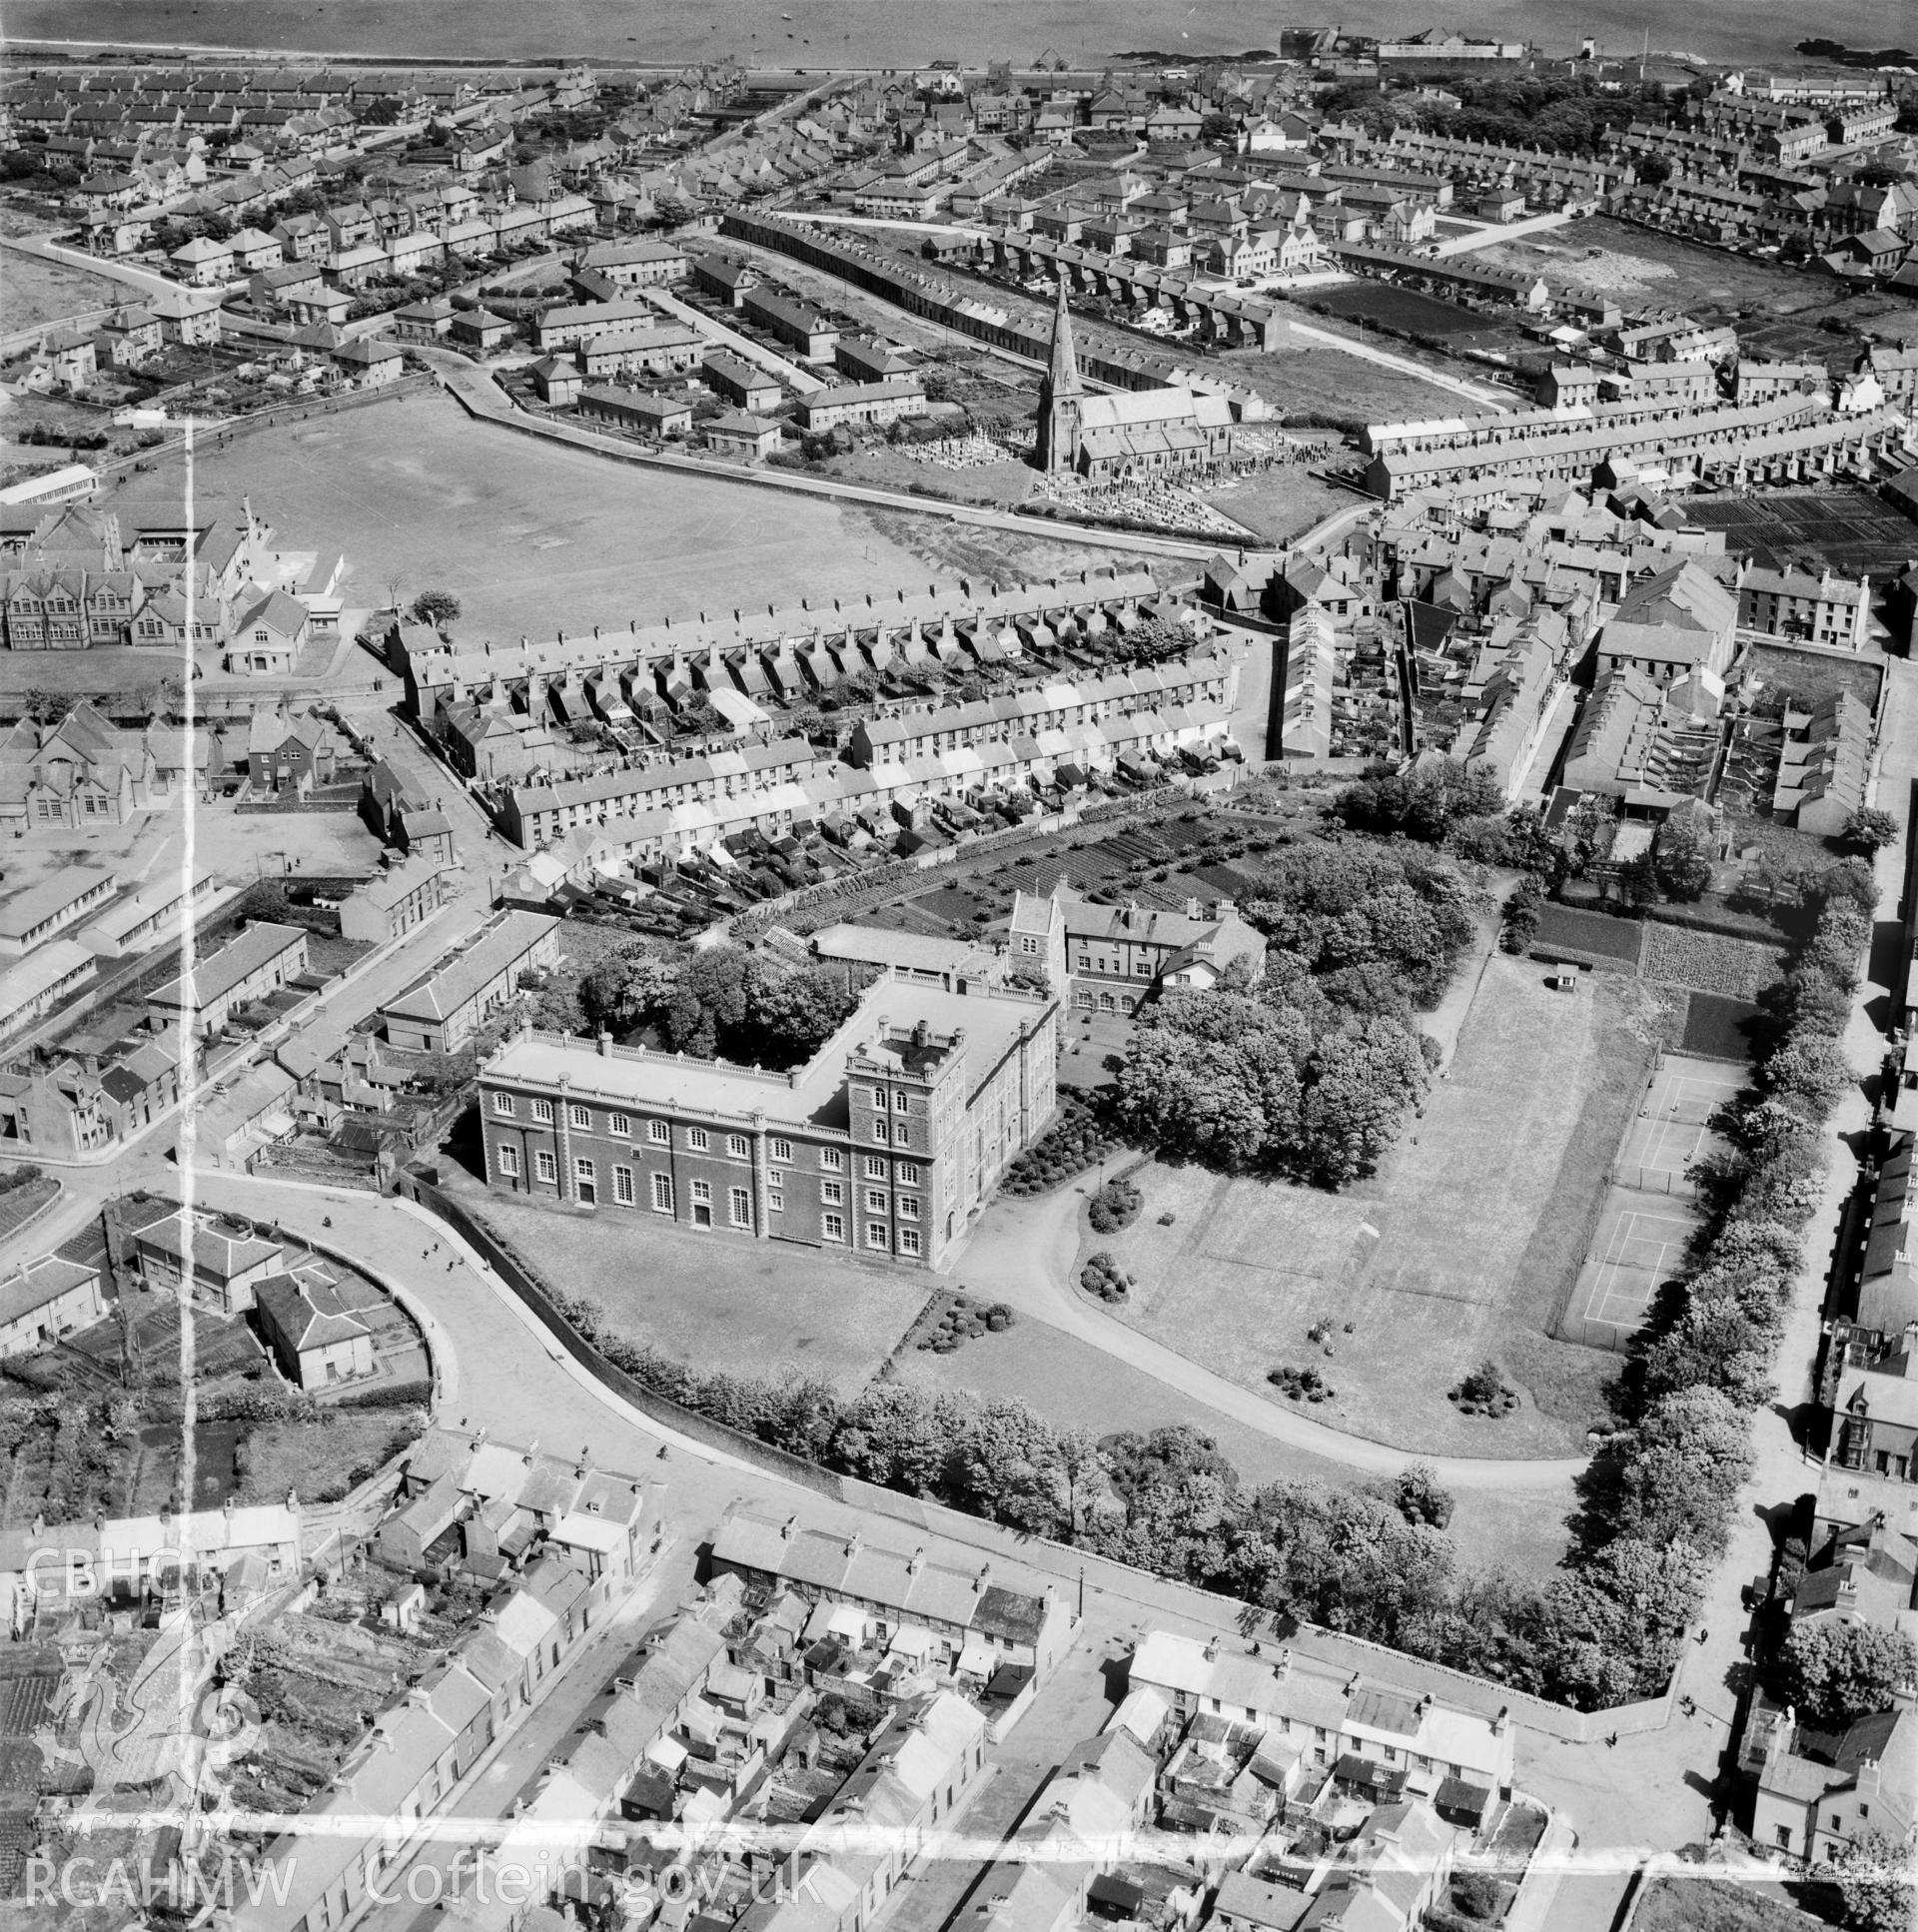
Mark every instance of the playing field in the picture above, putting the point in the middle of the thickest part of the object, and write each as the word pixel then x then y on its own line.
pixel 1649 1216
pixel 1464 1245
pixel 533 538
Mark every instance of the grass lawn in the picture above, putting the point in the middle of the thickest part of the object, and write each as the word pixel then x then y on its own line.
pixel 532 537
pixel 318 1459
pixel 1315 382
pixel 1076 1385
pixel 1280 504
pixel 890 468
pixel 1717 1905
pixel 1460 1247
pixel 754 1308
pixel 41 291
pixel 1720 1028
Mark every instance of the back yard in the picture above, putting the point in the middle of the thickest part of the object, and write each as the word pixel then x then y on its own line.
pixel 1463 1246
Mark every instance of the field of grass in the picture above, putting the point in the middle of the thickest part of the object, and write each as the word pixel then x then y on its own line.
pixel 1717 1905
pixel 981 554
pixel 1280 504
pixel 754 1308
pixel 1599 933
pixel 41 291
pixel 318 1459
pixel 1316 383
pixel 1642 262
pixel 1717 1027
pixel 1076 1385
pixel 1811 680
pixel 1460 1247
pixel 532 537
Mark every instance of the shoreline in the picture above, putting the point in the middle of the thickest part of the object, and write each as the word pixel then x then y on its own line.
pixel 29 47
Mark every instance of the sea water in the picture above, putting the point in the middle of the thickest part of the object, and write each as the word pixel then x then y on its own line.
pixel 879 33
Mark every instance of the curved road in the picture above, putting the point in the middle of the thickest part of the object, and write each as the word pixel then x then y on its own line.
pixel 1026 1255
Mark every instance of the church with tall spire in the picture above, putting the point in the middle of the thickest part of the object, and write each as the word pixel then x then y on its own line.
pixel 1137 435
pixel 1060 396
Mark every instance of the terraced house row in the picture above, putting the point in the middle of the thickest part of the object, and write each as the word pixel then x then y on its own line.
pixel 1771 442
pixel 441 667
pixel 638 822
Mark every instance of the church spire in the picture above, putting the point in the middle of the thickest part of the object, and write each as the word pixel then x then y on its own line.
pixel 1060 393
pixel 1064 372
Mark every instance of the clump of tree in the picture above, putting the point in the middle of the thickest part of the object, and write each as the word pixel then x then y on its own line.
pixel 1681 857
pixel 1312 1071
pixel 1834 1671
pixel 1521 913
pixel 723 1002
pixel 1870 829
pixel 1081 1136
pixel 1424 800
pixel 1873 1880
pixel 435 608
pixel 1483 1390
pixel 1103 1278
pixel 1662 1498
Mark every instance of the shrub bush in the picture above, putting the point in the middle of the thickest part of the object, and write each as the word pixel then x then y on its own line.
pixel 1301 1384
pixel 1113 1207
pixel 1080 1138
pixel 962 1320
pixel 1484 1392
pixel 1103 1277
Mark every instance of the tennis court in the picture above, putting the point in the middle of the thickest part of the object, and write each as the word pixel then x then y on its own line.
pixel 1640 1243
pixel 1670 1130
